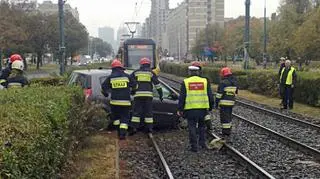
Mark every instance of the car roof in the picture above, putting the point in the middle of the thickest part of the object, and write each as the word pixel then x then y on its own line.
pixel 97 71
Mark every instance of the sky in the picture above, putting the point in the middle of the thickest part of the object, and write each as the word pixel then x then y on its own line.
pixel 113 13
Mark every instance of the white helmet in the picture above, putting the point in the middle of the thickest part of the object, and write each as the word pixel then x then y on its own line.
pixel 17 65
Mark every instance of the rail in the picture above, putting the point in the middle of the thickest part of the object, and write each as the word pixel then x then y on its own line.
pixel 245 161
pixel 291 142
pixel 163 161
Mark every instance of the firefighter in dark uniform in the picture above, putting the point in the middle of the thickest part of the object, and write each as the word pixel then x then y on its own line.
pixel 225 99
pixel 288 78
pixel 144 94
pixel 119 84
pixel 16 77
pixel 5 73
pixel 195 101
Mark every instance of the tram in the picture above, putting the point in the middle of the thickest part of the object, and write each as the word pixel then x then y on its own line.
pixel 136 48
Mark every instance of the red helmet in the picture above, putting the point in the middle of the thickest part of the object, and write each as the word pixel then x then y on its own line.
pixel 15 57
pixel 197 64
pixel 225 71
pixel 116 63
pixel 145 61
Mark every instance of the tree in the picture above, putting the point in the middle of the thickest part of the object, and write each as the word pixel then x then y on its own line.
pixel 41 32
pixel 99 46
pixel 209 37
pixel 234 33
pixel 306 40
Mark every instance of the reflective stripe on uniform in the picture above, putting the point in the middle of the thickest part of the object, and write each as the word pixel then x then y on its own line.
pixel 116 122
pixel 226 103
pixel 143 94
pixel 14 85
pixel 135 119
pixel 231 89
pixel 123 126
pixel 158 86
pixel 3 81
pixel 196 93
pixel 218 95
pixel 143 76
pixel 120 102
pixel 226 125
pixel 119 82
pixel 148 120
pixel 207 117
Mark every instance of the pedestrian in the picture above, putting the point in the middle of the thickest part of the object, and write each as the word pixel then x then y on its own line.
pixel 120 85
pixel 225 100
pixel 143 95
pixel 5 73
pixel 288 78
pixel 282 65
pixel 16 77
pixel 195 101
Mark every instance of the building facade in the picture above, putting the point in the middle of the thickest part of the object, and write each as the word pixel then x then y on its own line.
pixel 184 23
pixel 158 16
pixel 177 31
pixel 107 35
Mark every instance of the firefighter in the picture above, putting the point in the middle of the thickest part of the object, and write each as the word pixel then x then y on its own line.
pixel 120 85
pixel 16 78
pixel 6 72
pixel 288 80
pixel 143 95
pixel 195 101
pixel 225 99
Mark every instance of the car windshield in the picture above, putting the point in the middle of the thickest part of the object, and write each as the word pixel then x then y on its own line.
pixel 165 91
pixel 136 52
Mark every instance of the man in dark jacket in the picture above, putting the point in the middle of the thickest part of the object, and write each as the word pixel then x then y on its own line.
pixel 288 80
pixel 195 101
pixel 120 85
pixel 143 95
pixel 225 99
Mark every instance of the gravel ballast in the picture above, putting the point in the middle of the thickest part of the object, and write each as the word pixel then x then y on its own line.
pixel 204 164
pixel 303 134
pixel 278 159
pixel 138 158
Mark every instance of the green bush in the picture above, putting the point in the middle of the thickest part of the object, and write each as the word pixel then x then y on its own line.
pixel 264 82
pixel 39 127
pixel 50 81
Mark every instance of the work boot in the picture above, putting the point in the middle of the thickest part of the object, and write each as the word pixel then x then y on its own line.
pixel 122 137
pixel 132 131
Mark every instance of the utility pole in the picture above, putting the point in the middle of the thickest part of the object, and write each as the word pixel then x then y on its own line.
pixel 61 25
pixel 265 37
pixel 131 30
pixel 179 50
pixel 246 35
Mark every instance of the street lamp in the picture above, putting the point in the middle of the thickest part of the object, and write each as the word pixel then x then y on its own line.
pixel 62 43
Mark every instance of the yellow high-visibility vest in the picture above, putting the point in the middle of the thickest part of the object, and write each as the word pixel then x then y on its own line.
pixel 196 93
pixel 289 76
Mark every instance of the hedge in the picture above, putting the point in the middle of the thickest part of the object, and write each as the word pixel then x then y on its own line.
pixel 39 126
pixel 264 82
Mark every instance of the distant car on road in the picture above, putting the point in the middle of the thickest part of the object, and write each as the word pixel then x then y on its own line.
pixel 91 80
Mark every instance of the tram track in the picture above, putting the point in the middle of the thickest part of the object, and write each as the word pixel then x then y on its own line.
pixel 270 145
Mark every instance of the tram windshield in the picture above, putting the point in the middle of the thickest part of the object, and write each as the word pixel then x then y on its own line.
pixel 136 52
